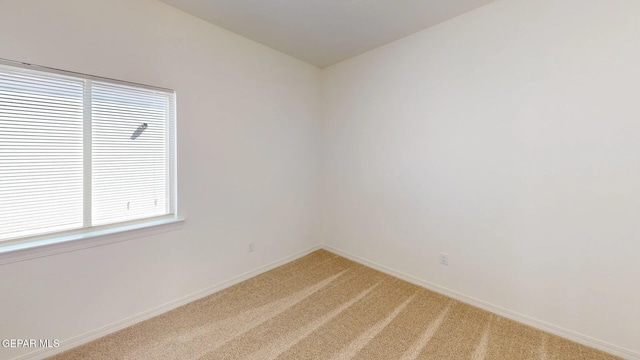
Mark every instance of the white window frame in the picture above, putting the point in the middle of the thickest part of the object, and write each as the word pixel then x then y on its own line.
pixel 23 248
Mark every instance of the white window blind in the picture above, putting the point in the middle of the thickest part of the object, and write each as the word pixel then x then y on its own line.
pixel 78 152
pixel 129 151
pixel 41 121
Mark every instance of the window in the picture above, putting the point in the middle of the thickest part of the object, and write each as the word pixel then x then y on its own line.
pixel 77 152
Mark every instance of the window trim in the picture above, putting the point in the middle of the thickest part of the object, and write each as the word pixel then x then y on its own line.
pixel 58 243
pixel 47 69
pixel 18 249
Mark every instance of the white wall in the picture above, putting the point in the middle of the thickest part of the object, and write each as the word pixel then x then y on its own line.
pixel 247 155
pixel 508 138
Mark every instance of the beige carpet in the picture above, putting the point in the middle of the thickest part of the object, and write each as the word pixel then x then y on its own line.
pixel 323 306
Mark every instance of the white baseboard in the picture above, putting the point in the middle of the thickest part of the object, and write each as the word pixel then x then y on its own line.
pixel 538 324
pixel 119 325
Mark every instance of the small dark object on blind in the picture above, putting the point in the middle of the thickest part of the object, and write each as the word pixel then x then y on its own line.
pixel 138 131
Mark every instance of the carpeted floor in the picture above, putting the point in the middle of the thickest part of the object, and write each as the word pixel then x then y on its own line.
pixel 323 306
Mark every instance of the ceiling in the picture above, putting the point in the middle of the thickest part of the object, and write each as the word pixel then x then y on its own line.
pixel 325 32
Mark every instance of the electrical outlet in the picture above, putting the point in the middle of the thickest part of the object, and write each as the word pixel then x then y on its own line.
pixel 444 258
pixel 251 246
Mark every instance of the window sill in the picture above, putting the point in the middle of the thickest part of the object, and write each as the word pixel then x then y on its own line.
pixel 14 252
